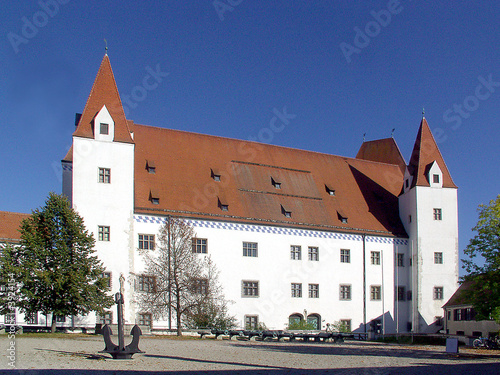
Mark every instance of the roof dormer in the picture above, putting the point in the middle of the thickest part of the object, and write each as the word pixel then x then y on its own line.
pixel 435 175
pixel 104 126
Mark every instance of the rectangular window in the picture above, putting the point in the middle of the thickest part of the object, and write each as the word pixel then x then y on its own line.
pixel 105 175
pixel 106 318
pixel 107 276
pixel 435 178
pixel 313 253
pixel 408 295
pixel 250 288
pixel 250 249
pixel 295 252
pixel 313 290
pixel 145 319
pixel 345 325
pixel 296 290
pixel 104 234
pixel 251 322
pixel 60 318
pixel 200 286
pixel 200 245
pixel 146 241
pixel 147 283
pixel 32 318
pixel 438 214
pixel 438 258
pixel 345 292
pixel 438 292
pixel 10 318
pixel 104 128
pixel 375 257
pixel 400 259
pixel 345 256
pixel 375 292
pixel 400 293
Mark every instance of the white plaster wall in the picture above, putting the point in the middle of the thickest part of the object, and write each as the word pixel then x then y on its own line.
pixel 275 272
pixel 436 236
pixel 107 204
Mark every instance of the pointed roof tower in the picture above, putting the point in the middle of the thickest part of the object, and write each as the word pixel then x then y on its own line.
pixel 104 92
pixel 425 152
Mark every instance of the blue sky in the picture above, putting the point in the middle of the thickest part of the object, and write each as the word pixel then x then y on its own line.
pixel 343 68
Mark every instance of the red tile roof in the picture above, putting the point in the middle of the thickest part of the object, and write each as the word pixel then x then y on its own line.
pixel 104 92
pixel 384 151
pixel 9 226
pixel 318 190
pixel 365 192
pixel 424 153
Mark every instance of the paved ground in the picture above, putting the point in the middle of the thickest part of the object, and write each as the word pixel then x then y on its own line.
pixel 79 355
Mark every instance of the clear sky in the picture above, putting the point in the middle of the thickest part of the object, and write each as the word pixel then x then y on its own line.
pixel 343 68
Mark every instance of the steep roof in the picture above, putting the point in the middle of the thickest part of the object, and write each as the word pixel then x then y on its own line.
pixel 383 151
pixel 104 92
pixel 425 151
pixel 9 226
pixel 318 190
pixel 458 299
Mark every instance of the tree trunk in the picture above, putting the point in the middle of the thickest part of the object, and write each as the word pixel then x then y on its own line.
pixel 53 326
pixel 178 311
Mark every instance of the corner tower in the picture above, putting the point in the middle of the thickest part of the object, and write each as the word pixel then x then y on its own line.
pixel 429 212
pixel 98 176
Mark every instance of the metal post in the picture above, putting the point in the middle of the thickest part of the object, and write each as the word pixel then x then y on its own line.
pixel 121 335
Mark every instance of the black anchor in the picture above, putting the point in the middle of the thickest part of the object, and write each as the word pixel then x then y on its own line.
pixel 121 351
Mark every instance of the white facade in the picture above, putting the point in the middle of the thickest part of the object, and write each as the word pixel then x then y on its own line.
pixel 433 245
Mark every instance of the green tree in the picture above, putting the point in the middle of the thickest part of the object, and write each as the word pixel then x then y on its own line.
pixel 54 266
pixel 186 283
pixel 483 265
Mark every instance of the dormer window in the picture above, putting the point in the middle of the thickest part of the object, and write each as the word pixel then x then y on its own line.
pixel 285 212
pixel 435 178
pixel 407 183
pixel 342 217
pixel 154 197
pixel 276 184
pixel 151 166
pixel 330 191
pixel 223 206
pixel 104 128
pixel 215 175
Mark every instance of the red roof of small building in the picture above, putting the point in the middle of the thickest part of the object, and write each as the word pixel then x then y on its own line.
pixel 9 226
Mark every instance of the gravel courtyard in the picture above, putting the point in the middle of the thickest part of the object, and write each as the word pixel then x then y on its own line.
pixel 79 355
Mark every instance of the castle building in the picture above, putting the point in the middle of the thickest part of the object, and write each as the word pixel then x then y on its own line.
pixel 369 241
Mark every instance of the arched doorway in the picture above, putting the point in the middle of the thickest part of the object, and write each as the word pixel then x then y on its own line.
pixel 314 320
pixel 295 319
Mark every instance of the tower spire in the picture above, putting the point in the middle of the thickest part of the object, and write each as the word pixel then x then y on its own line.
pixel 106 48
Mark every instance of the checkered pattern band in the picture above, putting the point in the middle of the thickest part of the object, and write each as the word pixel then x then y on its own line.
pixel 274 230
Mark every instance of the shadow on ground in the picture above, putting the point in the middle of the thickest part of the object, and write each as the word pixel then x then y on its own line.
pixel 423 369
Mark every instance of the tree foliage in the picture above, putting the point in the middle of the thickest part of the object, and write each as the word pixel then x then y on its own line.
pixel 483 265
pixel 185 283
pixel 54 266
